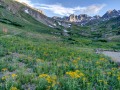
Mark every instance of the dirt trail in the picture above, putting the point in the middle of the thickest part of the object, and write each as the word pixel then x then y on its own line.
pixel 114 55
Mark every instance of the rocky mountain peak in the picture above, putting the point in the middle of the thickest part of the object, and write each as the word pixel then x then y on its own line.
pixel 112 11
pixel 97 16
pixel 78 18
pixel 110 14
pixel 73 18
pixel 83 15
pixel 84 18
pixel 119 11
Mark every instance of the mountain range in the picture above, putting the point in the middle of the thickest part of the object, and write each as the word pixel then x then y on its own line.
pixel 23 12
pixel 84 18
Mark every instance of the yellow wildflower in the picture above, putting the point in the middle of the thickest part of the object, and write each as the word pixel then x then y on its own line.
pixel 100 80
pixel 113 69
pixel 48 88
pixel 43 75
pixel 75 74
pixel 14 75
pixel 88 83
pixel 75 61
pixel 109 73
pixel 39 60
pixel 13 88
pixel 105 82
pixel 118 78
pixel 84 79
pixel 97 63
pixel 78 58
pixel 49 79
pixel 102 59
pixel 76 66
pixel 4 69
pixel 5 77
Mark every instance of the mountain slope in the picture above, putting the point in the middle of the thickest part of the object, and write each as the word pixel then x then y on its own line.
pixel 19 8
pixel 22 20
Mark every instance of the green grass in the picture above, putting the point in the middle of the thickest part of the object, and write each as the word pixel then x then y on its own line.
pixel 36 57
pixel 95 36
pixel 44 61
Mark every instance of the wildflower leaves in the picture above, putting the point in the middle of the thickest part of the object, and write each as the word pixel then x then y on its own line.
pixel 13 76
pixel 28 61
pixel 50 79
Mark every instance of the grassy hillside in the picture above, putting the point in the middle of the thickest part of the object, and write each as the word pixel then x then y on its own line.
pixel 32 60
pixel 104 35
pixel 36 57
pixel 23 20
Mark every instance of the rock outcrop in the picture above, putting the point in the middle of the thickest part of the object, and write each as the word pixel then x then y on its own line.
pixel 110 14
pixel 83 19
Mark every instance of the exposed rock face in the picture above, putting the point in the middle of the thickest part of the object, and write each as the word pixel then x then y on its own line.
pixel 16 7
pixel 84 19
pixel 73 18
pixel 65 18
pixel 96 17
pixel 38 15
pixel 119 12
pixel 11 6
pixel 62 21
pixel 79 18
pixel 38 10
pixel 57 18
pixel 110 14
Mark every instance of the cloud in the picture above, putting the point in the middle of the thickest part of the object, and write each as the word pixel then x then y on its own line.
pixel 25 1
pixel 56 9
pixel 60 10
pixel 65 11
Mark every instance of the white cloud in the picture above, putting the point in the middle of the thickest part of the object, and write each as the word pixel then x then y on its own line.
pixel 63 11
pixel 59 9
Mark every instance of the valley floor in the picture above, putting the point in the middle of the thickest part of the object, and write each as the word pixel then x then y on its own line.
pixel 37 61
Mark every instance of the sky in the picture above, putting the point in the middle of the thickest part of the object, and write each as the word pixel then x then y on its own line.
pixel 66 7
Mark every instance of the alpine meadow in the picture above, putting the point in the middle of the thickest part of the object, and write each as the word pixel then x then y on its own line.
pixel 74 52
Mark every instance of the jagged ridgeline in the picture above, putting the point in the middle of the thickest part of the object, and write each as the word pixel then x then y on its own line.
pixel 24 16
pixel 18 8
